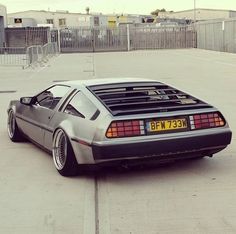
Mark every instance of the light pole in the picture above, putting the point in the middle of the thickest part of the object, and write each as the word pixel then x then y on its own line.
pixel 194 10
pixel 194 23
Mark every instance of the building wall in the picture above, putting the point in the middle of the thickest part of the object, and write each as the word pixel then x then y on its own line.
pixel 64 20
pixel 114 20
pixel 84 20
pixel 136 19
pixel 201 14
pixel 232 14
pixel 58 19
pixel 3 23
pixel 3 13
pixel 23 22
pixel 103 21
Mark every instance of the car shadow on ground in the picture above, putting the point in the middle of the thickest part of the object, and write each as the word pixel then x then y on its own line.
pixel 170 168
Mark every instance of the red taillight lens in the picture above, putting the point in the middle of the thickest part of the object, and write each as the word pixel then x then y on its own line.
pixel 127 128
pixel 209 120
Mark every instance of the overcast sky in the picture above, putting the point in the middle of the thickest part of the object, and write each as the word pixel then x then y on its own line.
pixel 114 6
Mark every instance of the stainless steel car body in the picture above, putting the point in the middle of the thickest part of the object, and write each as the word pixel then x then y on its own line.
pixel 39 124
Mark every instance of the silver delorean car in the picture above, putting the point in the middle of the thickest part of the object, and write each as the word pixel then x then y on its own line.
pixel 115 121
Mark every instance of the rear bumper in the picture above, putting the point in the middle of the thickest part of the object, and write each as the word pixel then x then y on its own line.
pixel 201 145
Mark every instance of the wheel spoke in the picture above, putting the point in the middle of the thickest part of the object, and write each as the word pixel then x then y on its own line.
pixel 11 125
pixel 60 149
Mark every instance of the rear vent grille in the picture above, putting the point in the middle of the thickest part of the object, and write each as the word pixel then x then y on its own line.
pixel 144 97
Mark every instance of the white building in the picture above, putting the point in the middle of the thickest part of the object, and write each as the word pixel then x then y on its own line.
pixel 3 23
pixel 201 14
pixel 58 19
pixel 64 19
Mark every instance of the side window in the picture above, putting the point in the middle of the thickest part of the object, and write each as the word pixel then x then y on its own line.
pixel 50 97
pixel 80 106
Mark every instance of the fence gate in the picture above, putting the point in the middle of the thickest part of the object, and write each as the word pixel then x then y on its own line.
pixel 93 39
pixel 126 37
pixel 23 37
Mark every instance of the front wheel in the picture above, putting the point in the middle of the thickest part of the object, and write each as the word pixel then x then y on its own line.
pixel 13 131
pixel 63 154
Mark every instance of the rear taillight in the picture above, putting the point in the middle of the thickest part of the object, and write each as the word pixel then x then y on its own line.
pixel 126 128
pixel 208 120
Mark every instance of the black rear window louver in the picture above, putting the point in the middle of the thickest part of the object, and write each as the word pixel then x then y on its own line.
pixel 144 97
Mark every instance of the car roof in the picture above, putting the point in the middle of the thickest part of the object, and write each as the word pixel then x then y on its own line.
pixel 104 81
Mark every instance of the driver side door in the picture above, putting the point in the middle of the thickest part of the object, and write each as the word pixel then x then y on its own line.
pixel 38 115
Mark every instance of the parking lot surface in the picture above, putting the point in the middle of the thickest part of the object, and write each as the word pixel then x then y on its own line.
pixel 194 196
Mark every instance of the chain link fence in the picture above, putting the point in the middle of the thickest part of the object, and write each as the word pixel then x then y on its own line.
pixel 13 56
pixel 217 35
pixel 30 56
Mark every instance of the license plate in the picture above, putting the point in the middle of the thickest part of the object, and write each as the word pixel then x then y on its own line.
pixel 166 125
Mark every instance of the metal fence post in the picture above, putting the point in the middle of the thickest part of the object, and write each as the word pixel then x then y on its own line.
pixel 59 40
pixel 128 37
pixel 223 35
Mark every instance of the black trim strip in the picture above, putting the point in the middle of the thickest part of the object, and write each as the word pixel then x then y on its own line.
pixel 144 96
pixel 109 92
pixel 159 109
pixel 37 125
pixel 141 103
pixel 69 97
pixel 127 84
pixel 80 141
pixel 96 114
pixel 8 91
pixel 59 81
pixel 164 147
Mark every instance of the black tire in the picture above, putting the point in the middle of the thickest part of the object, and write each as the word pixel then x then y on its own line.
pixel 63 154
pixel 13 131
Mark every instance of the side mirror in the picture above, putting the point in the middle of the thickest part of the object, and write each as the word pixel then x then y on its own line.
pixel 27 101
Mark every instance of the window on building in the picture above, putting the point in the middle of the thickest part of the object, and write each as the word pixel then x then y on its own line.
pixel 62 22
pixel 49 21
pixel 18 20
pixel 96 21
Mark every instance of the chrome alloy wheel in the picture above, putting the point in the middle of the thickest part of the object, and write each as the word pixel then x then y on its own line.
pixel 11 124
pixel 59 151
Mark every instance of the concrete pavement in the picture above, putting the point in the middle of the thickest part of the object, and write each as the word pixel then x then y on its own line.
pixel 196 196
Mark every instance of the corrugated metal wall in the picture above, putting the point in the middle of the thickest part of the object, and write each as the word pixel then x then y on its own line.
pixel 217 35
pixel 2 32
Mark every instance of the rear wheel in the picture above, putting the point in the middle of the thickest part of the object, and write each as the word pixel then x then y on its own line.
pixel 13 131
pixel 63 154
